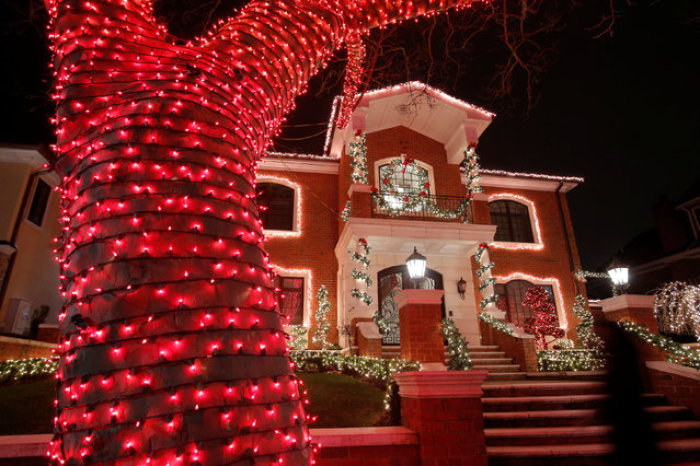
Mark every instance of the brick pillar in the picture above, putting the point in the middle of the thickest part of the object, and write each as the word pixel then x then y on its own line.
pixel 420 321
pixel 360 200
pixel 444 408
pixel 369 340
pixel 633 308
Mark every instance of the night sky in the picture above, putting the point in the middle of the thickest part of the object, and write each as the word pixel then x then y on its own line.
pixel 621 111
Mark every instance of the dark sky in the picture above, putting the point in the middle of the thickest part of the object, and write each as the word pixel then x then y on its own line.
pixel 623 112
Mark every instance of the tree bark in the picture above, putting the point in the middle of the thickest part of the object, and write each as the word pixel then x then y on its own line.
pixel 171 350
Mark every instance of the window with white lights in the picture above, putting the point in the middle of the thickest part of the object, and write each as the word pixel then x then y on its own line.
pixel 276 203
pixel 291 298
pixel 511 296
pixel 408 181
pixel 512 220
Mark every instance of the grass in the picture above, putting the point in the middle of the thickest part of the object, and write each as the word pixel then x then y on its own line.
pixel 342 401
pixel 338 401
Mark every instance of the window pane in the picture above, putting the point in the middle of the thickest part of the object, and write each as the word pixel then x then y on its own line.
pixel 512 221
pixel 38 207
pixel 291 298
pixel 277 206
pixel 511 297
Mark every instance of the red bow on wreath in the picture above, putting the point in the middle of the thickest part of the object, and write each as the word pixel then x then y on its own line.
pixel 406 162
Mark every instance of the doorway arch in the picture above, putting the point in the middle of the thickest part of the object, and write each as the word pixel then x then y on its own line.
pixel 390 282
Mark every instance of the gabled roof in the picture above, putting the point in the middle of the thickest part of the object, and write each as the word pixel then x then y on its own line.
pixel 422 108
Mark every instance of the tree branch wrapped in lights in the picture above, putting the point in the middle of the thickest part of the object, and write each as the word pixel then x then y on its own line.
pixel 171 349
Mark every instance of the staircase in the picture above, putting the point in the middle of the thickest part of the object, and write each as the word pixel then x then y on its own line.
pixel 492 359
pixel 554 423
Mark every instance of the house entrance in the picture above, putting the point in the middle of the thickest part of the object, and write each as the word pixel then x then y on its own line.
pixel 391 281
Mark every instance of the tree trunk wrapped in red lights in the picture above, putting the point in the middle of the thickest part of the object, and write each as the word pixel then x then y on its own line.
pixel 171 350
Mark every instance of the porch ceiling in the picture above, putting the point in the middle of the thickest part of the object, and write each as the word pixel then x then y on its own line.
pixel 400 236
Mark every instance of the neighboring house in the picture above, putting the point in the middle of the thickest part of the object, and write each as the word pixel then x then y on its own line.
pixel 523 216
pixel 28 223
pixel 670 251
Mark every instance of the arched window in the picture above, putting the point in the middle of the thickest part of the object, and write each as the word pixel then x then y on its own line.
pixel 411 181
pixel 512 220
pixel 277 202
pixel 291 298
pixel 511 296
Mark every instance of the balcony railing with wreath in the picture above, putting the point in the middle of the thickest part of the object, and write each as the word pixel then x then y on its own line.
pixel 421 207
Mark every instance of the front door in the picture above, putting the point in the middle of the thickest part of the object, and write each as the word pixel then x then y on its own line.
pixel 391 281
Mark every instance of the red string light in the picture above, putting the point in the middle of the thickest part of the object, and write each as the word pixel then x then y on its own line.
pixel 171 349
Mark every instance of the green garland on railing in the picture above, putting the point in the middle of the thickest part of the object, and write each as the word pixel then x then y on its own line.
pixel 495 323
pixel 569 360
pixel 675 352
pixel 358 154
pixel 375 370
pixel 459 359
pixel 18 369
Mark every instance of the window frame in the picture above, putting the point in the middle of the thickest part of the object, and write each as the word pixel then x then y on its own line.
pixel 534 222
pixel 283 272
pixel 388 160
pixel 296 206
pixel 539 281
pixel 42 220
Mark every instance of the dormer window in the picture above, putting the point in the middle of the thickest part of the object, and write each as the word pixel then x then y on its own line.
pixel 512 220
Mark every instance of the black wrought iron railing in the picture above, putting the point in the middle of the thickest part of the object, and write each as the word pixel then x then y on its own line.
pixel 416 207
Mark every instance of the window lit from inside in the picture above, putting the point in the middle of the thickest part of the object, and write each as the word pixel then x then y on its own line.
pixel 512 221
pixel 291 298
pixel 39 202
pixel 276 203
pixel 402 183
pixel 511 296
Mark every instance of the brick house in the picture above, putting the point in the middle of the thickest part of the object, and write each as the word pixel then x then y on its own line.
pixel 523 217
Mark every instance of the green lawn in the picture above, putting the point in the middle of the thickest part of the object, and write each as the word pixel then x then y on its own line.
pixel 342 401
pixel 338 401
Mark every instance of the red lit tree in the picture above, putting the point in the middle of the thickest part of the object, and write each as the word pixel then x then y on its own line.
pixel 543 321
pixel 172 351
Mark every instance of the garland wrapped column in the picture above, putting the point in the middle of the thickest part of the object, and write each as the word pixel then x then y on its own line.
pixel 172 351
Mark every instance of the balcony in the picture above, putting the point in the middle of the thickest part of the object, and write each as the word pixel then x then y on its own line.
pixel 426 208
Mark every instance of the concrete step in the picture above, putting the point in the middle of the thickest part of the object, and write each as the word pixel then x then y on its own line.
pixel 506 376
pixel 488 354
pixel 571 375
pixel 493 368
pixel 480 360
pixel 482 348
pixel 517 436
pixel 552 402
pixel 573 417
pixel 671 451
pixel 537 388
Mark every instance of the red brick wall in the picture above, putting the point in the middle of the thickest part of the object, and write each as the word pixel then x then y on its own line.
pixel 16 348
pixel 523 351
pixel 451 430
pixel 678 389
pixel 314 248
pixel 371 455
pixel 421 333
pixel 552 261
